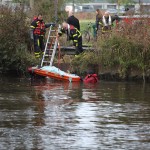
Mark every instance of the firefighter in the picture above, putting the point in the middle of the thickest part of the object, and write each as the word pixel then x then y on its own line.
pixel 37 34
pixel 108 21
pixel 72 20
pixel 74 34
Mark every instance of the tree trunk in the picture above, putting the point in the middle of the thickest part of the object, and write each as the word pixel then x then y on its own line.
pixel 31 4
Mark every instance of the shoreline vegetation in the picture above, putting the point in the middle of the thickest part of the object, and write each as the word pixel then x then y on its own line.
pixel 119 56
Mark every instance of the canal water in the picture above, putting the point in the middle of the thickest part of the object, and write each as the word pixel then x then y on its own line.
pixel 52 115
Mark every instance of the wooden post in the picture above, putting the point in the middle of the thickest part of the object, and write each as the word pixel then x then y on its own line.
pixel 56 9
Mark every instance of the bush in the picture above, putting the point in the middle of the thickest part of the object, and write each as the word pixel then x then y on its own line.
pixel 128 50
pixel 14 37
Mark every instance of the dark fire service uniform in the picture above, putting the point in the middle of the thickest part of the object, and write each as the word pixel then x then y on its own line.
pixel 74 35
pixel 38 30
pixel 72 20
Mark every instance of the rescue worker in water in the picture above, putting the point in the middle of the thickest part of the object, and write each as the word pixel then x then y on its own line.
pixel 74 34
pixel 37 34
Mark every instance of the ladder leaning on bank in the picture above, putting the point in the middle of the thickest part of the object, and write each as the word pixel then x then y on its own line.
pixel 50 47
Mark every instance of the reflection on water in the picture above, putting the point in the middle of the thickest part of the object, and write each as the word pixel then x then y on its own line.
pixel 55 115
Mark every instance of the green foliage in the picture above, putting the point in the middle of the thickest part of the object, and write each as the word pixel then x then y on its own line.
pixel 14 39
pixel 84 24
pixel 48 9
pixel 127 50
pixel 81 62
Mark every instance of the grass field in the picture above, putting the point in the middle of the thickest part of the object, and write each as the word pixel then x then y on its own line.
pixel 84 24
pixel 87 25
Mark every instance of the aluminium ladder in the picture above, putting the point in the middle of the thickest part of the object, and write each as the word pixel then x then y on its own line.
pixel 50 47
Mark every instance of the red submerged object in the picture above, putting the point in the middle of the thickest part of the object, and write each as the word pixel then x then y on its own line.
pixel 91 78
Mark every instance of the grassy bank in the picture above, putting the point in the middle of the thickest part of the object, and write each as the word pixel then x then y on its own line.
pixel 127 51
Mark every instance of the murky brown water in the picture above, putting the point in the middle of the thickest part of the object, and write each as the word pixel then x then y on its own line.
pixel 55 116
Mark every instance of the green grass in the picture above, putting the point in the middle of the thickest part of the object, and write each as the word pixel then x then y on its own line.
pixel 84 24
pixel 85 27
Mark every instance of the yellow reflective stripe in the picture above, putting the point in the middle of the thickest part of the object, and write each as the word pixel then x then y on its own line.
pixel 74 35
pixel 37 55
pixel 32 26
pixel 38 42
pixel 79 33
pixel 75 40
